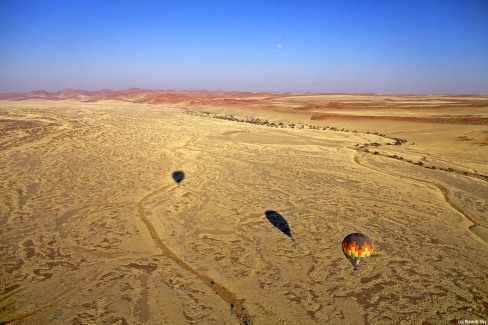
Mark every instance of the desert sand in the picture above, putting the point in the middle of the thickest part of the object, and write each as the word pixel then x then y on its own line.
pixel 94 229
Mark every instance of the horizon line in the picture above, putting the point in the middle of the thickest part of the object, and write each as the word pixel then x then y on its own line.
pixel 247 91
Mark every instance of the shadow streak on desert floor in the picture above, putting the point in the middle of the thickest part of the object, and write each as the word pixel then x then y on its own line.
pixel 95 229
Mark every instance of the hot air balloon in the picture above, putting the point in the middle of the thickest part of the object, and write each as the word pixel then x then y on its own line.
pixel 357 247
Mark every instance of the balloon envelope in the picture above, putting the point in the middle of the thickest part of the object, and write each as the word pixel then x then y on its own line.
pixel 357 247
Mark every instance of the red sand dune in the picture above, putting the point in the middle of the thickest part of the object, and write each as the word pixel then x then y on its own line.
pixel 424 119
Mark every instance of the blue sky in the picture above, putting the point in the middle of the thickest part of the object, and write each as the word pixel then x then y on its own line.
pixel 304 46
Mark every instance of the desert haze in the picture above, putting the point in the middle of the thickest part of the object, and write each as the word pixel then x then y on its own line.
pixel 95 229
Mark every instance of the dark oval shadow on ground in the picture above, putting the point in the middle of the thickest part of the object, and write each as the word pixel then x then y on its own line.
pixel 279 222
pixel 178 176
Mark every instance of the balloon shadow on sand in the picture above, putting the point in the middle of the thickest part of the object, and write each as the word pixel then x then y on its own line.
pixel 178 176
pixel 279 222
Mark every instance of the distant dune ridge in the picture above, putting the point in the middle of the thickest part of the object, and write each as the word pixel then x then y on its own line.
pixel 136 95
pixel 420 108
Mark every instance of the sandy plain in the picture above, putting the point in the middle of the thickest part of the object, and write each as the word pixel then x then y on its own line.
pixel 96 231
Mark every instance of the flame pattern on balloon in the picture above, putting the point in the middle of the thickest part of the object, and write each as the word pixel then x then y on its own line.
pixel 357 247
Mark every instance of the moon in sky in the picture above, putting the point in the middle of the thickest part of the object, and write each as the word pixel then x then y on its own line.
pixel 280 46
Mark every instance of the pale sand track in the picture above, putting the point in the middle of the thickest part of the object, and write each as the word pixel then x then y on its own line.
pixel 95 231
pixel 225 294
